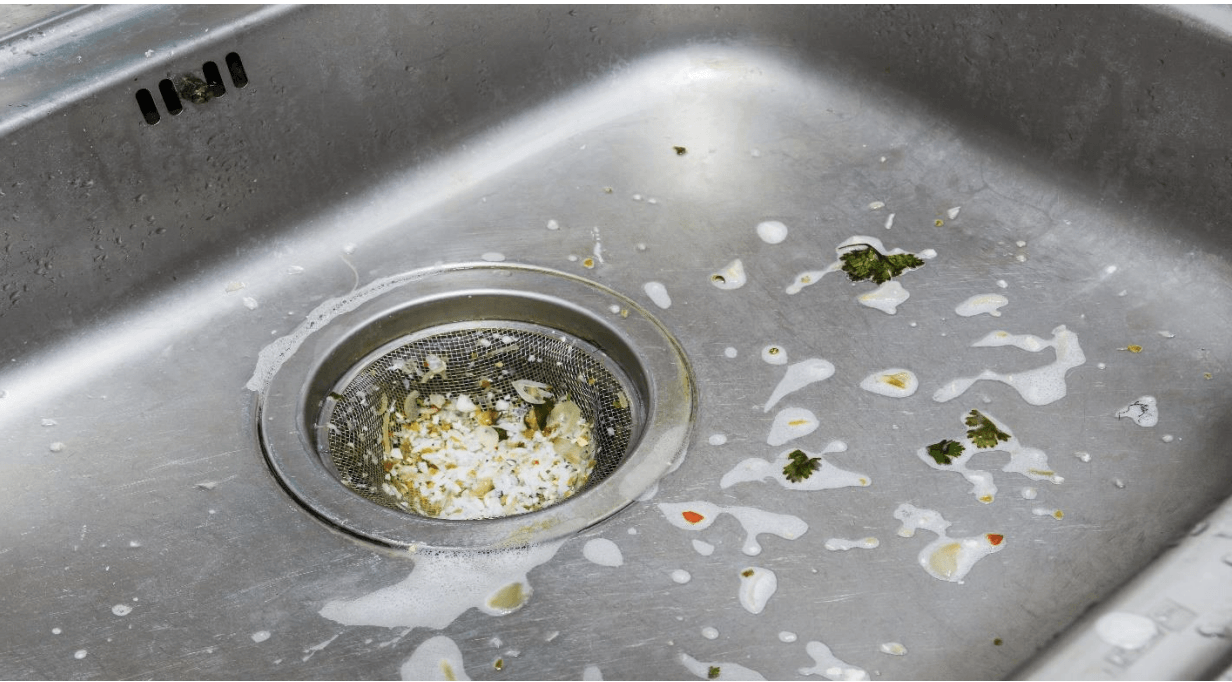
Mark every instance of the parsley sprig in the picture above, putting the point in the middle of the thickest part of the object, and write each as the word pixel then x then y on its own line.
pixel 801 466
pixel 945 452
pixel 870 264
pixel 983 433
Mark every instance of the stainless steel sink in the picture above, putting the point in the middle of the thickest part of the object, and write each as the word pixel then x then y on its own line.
pixel 1073 161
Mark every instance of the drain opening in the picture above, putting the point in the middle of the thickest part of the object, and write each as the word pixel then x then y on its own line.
pixel 146 103
pixel 478 420
pixel 239 77
pixel 171 99
pixel 337 389
pixel 190 87
pixel 213 79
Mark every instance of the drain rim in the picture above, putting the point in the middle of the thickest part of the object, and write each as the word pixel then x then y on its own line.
pixel 660 371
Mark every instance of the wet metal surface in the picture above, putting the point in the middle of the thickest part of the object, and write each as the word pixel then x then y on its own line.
pixel 143 268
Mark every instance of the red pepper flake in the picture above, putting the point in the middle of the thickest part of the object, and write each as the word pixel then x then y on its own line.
pixel 995 539
pixel 693 517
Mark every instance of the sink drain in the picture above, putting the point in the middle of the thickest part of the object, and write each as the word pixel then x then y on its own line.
pixel 478 420
pixel 476 407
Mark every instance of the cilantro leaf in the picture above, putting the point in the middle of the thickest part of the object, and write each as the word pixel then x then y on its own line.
pixel 945 451
pixel 713 672
pixel 870 264
pixel 801 466
pixel 983 433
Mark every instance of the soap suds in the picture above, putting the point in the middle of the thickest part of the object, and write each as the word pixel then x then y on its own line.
pixel 798 376
pixel 981 304
pixel 699 515
pixel 827 665
pixel 603 552
pixel 825 477
pixel 895 382
pixel 1144 411
pixel 791 423
pixel 438 658
pixel 444 585
pixel 772 231
pixel 886 297
pixel 730 277
pixel 1039 386
pixel 842 545
pixel 757 585
pixel 946 558
pixel 774 354
pixel 658 294
pixel 1028 461
pixel 726 671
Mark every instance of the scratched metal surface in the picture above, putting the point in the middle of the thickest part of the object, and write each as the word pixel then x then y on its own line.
pixel 447 134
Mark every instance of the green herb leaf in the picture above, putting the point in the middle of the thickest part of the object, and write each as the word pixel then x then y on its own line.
pixel 537 415
pixel 984 433
pixel 713 673
pixel 801 466
pixel 870 264
pixel 945 451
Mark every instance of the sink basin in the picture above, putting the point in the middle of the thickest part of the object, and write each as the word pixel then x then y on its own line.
pixel 194 195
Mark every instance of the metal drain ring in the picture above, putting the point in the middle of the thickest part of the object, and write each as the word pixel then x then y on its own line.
pixel 648 362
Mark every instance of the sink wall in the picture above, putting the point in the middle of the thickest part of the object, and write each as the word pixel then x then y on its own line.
pixel 375 140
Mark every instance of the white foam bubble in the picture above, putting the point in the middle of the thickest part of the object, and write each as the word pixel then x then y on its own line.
pixel 772 231
pixel 443 585
pixel 895 382
pixel 1144 411
pixel 982 304
pixel 438 658
pixel 658 294
pixel 757 585
pixel 731 276
pixel 603 552
pixel 798 376
pixel 886 297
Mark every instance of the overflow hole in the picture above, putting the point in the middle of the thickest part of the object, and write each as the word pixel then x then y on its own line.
pixel 239 77
pixel 171 99
pixel 146 101
pixel 214 79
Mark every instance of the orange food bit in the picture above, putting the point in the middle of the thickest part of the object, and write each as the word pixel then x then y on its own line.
pixel 995 539
pixel 693 517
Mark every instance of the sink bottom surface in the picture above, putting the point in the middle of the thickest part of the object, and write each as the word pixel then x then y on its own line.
pixel 149 491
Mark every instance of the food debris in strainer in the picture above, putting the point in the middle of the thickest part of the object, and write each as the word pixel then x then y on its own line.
pixel 452 458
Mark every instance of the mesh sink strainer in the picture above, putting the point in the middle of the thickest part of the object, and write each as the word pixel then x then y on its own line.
pixel 392 427
pixel 474 407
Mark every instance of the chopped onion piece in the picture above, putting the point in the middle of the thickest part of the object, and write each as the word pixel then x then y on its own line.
pixel 532 392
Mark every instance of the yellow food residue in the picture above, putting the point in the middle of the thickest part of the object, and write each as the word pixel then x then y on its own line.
pixel 897 380
pixel 1134 348
pixel 508 598
pixel 944 561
